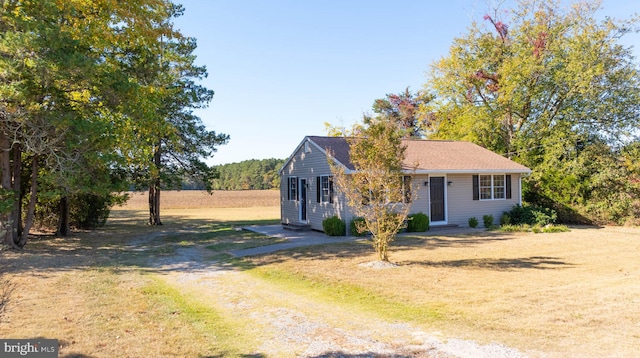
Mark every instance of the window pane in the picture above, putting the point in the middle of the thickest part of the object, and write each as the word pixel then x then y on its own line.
pixel 498 186
pixel 485 187
pixel 325 188
pixel 485 180
pixel 293 186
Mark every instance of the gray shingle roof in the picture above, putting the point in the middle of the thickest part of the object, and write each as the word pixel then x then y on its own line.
pixel 433 156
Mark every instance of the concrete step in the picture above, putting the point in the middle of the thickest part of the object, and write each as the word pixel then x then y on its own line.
pixel 296 226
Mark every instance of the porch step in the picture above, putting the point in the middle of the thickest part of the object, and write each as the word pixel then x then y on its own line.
pixel 296 226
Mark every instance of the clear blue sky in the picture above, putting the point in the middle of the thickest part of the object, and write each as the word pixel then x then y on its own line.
pixel 281 69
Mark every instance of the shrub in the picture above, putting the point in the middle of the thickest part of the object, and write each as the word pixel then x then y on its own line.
pixel 555 228
pixel 487 220
pixel 353 227
pixel 473 222
pixel 514 228
pixel 532 215
pixel 418 222
pixel 505 219
pixel 535 229
pixel 544 216
pixel 334 226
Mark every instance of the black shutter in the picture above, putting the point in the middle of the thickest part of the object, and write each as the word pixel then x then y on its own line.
pixel 288 188
pixel 331 189
pixel 476 188
pixel 317 189
pixel 508 185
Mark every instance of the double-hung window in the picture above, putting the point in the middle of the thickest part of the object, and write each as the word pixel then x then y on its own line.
pixel 292 188
pixel 491 187
pixel 324 189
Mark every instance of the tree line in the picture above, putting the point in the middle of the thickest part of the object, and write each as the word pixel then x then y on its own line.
pixel 95 95
pixel 251 174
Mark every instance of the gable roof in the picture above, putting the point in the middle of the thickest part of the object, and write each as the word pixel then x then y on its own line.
pixel 431 156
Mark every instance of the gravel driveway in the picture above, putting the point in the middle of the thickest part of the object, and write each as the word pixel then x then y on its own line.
pixel 290 325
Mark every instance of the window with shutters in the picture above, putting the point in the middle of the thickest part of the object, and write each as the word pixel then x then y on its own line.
pixel 324 191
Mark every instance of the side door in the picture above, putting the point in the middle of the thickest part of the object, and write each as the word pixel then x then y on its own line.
pixel 436 194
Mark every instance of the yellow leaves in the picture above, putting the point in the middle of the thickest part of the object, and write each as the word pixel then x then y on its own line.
pixel 79 97
pixel 29 62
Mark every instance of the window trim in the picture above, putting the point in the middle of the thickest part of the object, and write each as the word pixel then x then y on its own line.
pixel 324 190
pixel 292 188
pixel 492 187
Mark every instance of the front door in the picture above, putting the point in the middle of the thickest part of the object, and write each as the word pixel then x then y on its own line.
pixel 303 200
pixel 436 193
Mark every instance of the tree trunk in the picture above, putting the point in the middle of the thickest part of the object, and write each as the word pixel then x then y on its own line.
pixel 8 232
pixel 17 179
pixel 63 223
pixel 154 190
pixel 154 203
pixel 31 208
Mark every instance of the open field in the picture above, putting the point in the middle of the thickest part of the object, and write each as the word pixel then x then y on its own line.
pixel 111 291
pixel 199 199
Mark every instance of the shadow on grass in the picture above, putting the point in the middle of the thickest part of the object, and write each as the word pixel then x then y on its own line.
pixel 186 244
pixel 363 248
pixel 534 262
pixel 339 354
pixel 250 355
pixel 128 243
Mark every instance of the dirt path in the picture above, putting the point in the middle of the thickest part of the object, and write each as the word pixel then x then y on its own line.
pixel 285 324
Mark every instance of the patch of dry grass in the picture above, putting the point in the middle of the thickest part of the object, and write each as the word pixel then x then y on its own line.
pixel 200 199
pixel 93 292
pixel 197 207
pixel 100 313
pixel 565 294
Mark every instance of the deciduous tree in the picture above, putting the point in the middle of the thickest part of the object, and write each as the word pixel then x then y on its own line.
pixel 544 85
pixel 375 189
pixel 403 109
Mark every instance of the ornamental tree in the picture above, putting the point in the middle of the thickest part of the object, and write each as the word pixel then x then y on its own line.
pixel 376 189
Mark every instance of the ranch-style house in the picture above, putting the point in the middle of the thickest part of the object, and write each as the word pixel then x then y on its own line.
pixel 455 180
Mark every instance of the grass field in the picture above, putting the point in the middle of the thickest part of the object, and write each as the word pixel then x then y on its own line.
pixel 566 294
pixel 198 199
pixel 550 295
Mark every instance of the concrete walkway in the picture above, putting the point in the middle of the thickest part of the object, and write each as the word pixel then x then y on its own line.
pixel 294 239
pixel 310 238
